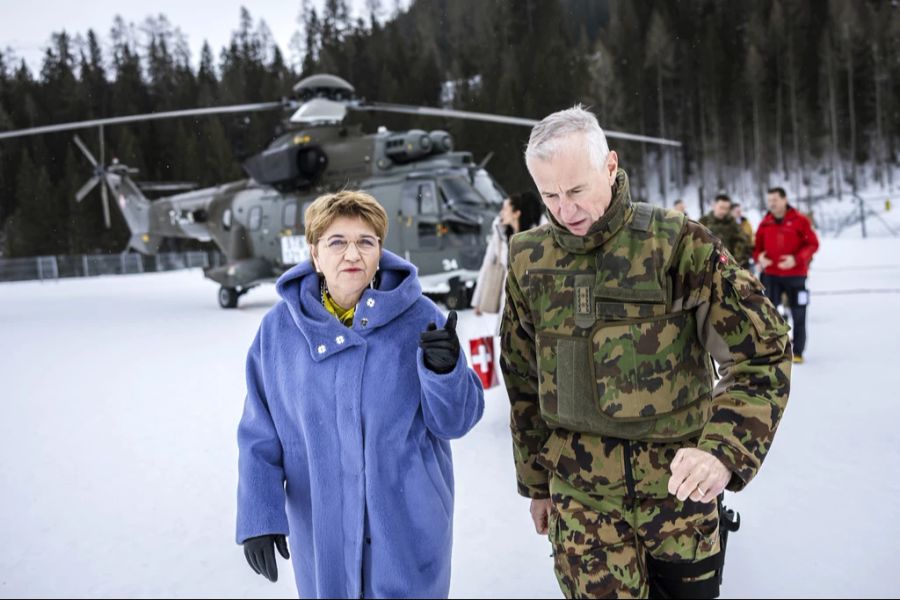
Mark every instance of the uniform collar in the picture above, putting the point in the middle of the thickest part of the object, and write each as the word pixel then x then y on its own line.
pixel 619 212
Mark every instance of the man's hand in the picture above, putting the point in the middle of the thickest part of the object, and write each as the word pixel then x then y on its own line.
pixel 787 262
pixel 540 514
pixel 764 261
pixel 697 474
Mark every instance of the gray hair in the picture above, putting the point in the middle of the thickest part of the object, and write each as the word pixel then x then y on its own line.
pixel 546 135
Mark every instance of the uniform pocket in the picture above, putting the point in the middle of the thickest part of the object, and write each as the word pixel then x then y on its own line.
pixel 766 320
pixel 652 377
pixel 683 532
pixel 565 385
pixel 706 536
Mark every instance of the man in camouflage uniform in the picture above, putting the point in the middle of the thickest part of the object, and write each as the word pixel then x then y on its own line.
pixel 727 229
pixel 620 440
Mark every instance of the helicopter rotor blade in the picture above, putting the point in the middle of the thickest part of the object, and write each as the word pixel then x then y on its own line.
pixel 86 188
pixel 85 151
pixel 102 148
pixel 105 196
pixel 172 114
pixel 491 118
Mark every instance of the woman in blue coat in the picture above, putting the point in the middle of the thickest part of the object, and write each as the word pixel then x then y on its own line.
pixel 355 385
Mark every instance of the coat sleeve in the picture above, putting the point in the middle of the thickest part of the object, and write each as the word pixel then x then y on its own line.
pixel 261 496
pixel 809 243
pixel 749 340
pixel 519 365
pixel 452 403
pixel 758 243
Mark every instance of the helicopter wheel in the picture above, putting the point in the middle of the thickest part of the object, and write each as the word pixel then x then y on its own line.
pixel 228 297
pixel 459 295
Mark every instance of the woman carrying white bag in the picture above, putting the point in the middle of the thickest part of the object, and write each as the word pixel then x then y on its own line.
pixel 520 212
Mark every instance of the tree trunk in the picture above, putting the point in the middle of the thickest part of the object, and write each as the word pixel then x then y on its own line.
pixel 757 151
pixel 645 172
pixel 664 151
pixel 880 165
pixel 849 49
pixel 701 114
pixel 719 156
pixel 742 151
pixel 779 129
pixel 832 102
pixel 798 163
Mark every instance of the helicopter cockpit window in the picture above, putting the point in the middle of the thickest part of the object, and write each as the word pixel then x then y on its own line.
pixel 487 187
pixel 428 204
pixel 226 219
pixel 457 190
pixel 290 214
pixel 419 198
pixel 255 218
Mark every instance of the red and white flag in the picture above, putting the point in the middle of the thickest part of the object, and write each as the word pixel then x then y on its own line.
pixel 482 351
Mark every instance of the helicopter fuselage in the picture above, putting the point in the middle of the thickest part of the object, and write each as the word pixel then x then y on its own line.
pixel 440 208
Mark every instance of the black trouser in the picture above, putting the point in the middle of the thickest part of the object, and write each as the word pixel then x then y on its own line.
pixel 797 297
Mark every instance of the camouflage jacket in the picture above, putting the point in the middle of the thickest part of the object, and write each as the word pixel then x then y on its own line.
pixel 732 235
pixel 622 317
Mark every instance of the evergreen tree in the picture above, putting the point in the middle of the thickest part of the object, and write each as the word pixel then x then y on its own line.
pixel 34 228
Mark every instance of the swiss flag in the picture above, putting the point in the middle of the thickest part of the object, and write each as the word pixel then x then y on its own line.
pixel 482 350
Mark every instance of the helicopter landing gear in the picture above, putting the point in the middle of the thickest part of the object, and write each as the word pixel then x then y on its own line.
pixel 228 297
pixel 459 296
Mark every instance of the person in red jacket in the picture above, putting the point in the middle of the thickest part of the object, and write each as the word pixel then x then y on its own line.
pixel 785 244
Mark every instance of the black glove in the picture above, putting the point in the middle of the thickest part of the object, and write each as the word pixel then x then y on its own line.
pixel 440 346
pixel 260 554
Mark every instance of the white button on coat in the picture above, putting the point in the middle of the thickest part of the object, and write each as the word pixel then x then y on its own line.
pixel 321 349
pixel 370 302
pixel 339 339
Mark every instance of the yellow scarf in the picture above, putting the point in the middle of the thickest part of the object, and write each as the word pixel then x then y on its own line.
pixel 344 315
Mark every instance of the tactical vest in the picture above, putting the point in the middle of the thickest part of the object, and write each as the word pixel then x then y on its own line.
pixel 613 357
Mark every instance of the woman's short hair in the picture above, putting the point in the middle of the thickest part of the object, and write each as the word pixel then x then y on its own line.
pixel 347 203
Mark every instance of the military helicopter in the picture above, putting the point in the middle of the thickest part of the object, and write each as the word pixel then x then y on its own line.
pixel 440 201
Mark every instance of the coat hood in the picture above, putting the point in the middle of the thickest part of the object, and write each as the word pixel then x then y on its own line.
pixel 397 289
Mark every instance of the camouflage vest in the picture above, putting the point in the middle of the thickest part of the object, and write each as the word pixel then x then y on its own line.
pixel 614 359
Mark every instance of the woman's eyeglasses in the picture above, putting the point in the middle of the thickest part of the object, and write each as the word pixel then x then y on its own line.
pixel 364 245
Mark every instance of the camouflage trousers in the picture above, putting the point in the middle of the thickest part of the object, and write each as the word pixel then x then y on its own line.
pixel 600 543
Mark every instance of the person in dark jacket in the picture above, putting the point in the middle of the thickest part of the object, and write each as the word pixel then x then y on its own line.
pixel 722 225
pixel 785 244
pixel 355 387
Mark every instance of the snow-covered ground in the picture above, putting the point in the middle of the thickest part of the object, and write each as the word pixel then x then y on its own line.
pixel 121 397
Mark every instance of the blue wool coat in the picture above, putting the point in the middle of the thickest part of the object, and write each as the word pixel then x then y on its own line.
pixel 344 439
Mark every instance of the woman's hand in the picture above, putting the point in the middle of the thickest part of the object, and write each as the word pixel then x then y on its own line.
pixel 260 554
pixel 440 347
